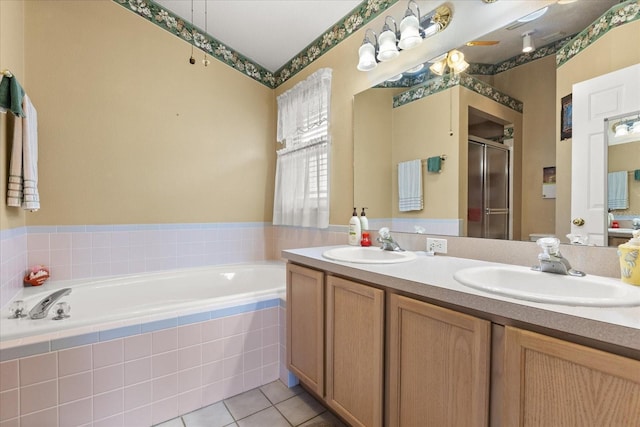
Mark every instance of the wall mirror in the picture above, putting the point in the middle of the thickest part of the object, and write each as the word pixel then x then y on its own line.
pixel 532 133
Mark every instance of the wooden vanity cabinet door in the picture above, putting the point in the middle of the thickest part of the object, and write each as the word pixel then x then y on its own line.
pixel 355 328
pixel 439 365
pixel 305 326
pixel 551 382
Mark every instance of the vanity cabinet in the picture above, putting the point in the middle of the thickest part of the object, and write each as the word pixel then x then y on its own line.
pixel 305 326
pixel 551 382
pixel 349 318
pixel 355 329
pixel 439 364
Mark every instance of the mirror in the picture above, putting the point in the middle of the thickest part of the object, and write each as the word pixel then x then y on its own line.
pixel 378 128
pixel 623 168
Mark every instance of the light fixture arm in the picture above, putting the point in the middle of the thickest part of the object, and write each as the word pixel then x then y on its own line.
pixel 409 12
pixel 368 40
pixel 386 26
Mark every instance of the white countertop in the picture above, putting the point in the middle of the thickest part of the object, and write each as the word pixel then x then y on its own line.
pixel 431 277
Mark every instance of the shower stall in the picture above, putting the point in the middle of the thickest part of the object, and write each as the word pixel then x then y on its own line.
pixel 488 189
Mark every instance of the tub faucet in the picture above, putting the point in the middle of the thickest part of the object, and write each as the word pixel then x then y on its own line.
pixel 551 260
pixel 388 244
pixel 41 309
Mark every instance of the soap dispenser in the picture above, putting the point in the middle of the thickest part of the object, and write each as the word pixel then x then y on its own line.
pixel 629 254
pixel 355 229
pixel 364 222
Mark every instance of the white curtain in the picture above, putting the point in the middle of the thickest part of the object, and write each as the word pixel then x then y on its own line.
pixel 302 169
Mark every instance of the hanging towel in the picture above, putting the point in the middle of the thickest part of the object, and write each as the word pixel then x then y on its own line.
pixel 23 170
pixel 11 96
pixel 618 191
pixel 434 164
pixel 636 174
pixel 410 186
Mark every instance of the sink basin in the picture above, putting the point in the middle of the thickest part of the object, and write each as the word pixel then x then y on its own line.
pixel 367 255
pixel 523 283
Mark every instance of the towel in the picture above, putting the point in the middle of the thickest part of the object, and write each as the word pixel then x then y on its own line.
pixel 410 186
pixel 11 96
pixel 434 164
pixel 618 191
pixel 22 188
pixel 636 174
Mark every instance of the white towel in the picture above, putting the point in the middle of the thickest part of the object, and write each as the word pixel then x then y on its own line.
pixel 410 186
pixel 618 190
pixel 23 171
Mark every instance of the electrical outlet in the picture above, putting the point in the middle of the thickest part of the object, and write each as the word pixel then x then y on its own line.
pixel 438 246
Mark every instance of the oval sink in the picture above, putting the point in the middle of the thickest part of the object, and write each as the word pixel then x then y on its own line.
pixel 523 283
pixel 367 255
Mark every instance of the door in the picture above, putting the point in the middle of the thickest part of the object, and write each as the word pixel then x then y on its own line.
pixel 305 326
pixel 438 366
pixel 355 330
pixel 488 186
pixel 593 101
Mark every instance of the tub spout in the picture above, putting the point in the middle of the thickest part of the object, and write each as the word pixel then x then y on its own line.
pixel 41 309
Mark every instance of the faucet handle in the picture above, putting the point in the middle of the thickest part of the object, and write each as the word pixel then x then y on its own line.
pixel 549 245
pixel 384 233
pixel 16 309
pixel 62 310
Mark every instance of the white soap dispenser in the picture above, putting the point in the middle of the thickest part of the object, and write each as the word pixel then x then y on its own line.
pixel 364 221
pixel 355 229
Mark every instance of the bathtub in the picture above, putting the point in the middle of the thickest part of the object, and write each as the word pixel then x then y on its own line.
pixel 143 349
pixel 117 302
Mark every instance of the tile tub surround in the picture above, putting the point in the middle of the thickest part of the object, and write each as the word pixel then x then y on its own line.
pixel 144 378
pixel 77 252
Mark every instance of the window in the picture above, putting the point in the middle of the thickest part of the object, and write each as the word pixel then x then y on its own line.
pixel 302 170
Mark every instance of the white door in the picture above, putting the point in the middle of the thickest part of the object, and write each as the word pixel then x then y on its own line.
pixel 593 101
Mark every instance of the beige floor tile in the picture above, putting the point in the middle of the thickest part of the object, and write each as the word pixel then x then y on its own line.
pixel 215 415
pixel 269 417
pixel 247 403
pixel 326 419
pixel 300 408
pixel 276 391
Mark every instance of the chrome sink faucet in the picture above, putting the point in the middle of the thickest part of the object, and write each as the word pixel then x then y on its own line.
pixel 388 244
pixel 41 309
pixel 551 260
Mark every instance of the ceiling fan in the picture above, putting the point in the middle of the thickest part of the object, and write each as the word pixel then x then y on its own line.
pixel 482 42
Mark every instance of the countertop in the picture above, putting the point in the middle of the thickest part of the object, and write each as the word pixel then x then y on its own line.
pixel 430 278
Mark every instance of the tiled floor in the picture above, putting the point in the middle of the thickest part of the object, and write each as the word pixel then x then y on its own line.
pixel 272 405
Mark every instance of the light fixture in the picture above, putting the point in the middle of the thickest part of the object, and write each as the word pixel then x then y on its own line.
pixel 410 31
pixel 413 29
pixel 395 78
pixel 367 52
pixel 534 15
pixel 626 126
pixel 454 60
pixel 387 41
pixel 622 130
pixel 527 42
pixel 415 69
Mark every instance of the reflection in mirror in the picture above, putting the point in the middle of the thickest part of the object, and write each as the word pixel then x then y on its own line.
pixel 502 85
pixel 623 176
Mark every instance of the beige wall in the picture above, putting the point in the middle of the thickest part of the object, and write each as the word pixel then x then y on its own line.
pixel 611 52
pixel 533 83
pixel 372 129
pixel 421 130
pixel 11 57
pixel 130 132
pixel 624 157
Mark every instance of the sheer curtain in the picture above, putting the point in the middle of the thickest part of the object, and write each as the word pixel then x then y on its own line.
pixel 302 169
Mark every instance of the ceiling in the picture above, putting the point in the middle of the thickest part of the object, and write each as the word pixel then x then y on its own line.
pixel 272 32
pixel 269 32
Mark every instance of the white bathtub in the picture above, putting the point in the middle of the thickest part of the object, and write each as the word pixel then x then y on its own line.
pixel 112 303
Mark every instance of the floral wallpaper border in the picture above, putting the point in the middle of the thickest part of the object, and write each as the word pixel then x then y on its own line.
pixel 448 81
pixel 356 19
pixel 618 15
